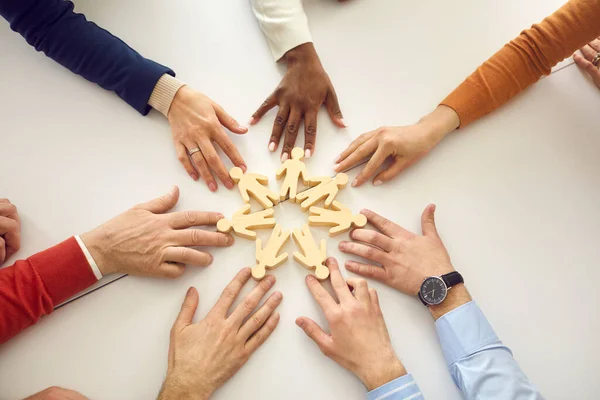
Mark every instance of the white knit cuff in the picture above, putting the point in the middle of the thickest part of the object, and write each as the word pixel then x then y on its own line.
pixel 163 93
pixel 89 258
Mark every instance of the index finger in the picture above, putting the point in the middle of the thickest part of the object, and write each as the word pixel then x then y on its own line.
pixel 231 292
pixel 374 163
pixel 310 133
pixel 9 210
pixel 322 296
pixel 384 225
pixel 269 103
pixel 337 281
pixel 362 152
pixel 187 219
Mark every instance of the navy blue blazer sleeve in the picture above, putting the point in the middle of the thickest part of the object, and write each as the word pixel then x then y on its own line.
pixel 84 48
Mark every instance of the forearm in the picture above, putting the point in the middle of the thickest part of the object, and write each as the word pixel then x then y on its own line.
pixel 178 388
pixel 284 23
pixel 51 26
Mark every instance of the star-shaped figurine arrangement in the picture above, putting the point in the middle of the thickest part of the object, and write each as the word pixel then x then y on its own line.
pixel 312 255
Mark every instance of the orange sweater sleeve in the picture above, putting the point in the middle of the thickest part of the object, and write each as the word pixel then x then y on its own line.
pixel 525 59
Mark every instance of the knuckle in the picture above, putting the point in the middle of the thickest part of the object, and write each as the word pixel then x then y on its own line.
pixel 190 217
pixel 248 304
pixel 291 128
pixel 255 321
pixel 311 130
pixel 210 158
pixel 229 293
pixel 279 120
pixel 196 236
pixel 182 158
pixel 260 338
pixel 227 146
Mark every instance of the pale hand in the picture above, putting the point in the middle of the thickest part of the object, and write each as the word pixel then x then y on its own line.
pixel 589 52
pixel 205 355
pixel 57 393
pixel 359 340
pixel 403 145
pixel 197 122
pixel 147 241
pixel 10 230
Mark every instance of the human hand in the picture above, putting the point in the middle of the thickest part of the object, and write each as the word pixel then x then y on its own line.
pixel 196 122
pixel 146 241
pixel 589 52
pixel 57 393
pixel 10 230
pixel 359 340
pixel 302 91
pixel 405 145
pixel 205 355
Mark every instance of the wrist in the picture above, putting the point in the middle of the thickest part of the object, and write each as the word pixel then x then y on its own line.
pixel 163 95
pixel 382 374
pixel 457 296
pixel 96 243
pixel 181 387
pixel 440 122
pixel 302 55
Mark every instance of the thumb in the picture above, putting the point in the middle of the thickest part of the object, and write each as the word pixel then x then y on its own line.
pixel 228 121
pixel 163 203
pixel 333 108
pixel 314 331
pixel 188 308
pixel 428 222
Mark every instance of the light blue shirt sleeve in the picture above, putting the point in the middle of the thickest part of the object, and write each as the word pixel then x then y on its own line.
pixel 481 366
pixel 403 388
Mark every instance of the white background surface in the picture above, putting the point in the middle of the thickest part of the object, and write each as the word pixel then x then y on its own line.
pixel 517 192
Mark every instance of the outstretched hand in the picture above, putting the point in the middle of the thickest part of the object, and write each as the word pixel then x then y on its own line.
pixel 10 230
pixel 585 59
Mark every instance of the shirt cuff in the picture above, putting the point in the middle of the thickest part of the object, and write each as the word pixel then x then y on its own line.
pixel 89 258
pixel 164 92
pixel 404 388
pixel 464 331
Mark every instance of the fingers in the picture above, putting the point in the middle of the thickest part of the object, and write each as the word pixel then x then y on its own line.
pixel 337 280
pixel 364 251
pixel 291 132
pixel 586 65
pixel 428 222
pixel 248 305
pixel 321 295
pixel 161 204
pixel 184 159
pixel 360 288
pixel 314 331
pixel 278 125
pixel 377 159
pixel 310 133
pixel 228 121
pixel 185 255
pixel 188 308
pixel 9 210
pixel 398 166
pixel 374 297
pixel 11 232
pixel 595 45
pixel 258 319
pixel 230 150
pixel 215 163
pixel 588 52
pixel 231 292
pixel 204 171
pixel 2 250
pixel 187 219
pixel 169 270
pixel 366 270
pixel 382 224
pixel 353 146
pixel 373 238
pixel 333 108
pixel 56 392
pixel 362 152
pixel 199 237
pixel 269 103
pixel 262 334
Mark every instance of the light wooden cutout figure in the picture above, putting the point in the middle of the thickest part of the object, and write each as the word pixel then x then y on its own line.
pixel 242 222
pixel 314 257
pixel 338 216
pixel 293 169
pixel 254 185
pixel 267 258
pixel 327 188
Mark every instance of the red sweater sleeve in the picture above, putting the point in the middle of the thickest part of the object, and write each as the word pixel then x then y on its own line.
pixel 31 288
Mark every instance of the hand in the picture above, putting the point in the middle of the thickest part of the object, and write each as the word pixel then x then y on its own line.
pixel 148 242
pixel 196 122
pixel 589 51
pixel 359 340
pixel 57 393
pixel 405 145
pixel 10 230
pixel 205 355
pixel 302 91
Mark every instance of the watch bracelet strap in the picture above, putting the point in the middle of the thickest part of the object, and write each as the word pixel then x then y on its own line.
pixel 422 300
pixel 452 279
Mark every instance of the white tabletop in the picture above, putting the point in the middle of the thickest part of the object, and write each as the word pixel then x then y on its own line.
pixel 517 192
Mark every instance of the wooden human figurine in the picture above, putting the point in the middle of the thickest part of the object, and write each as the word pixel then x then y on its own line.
pixel 338 216
pixel 312 257
pixel 267 258
pixel 243 221
pixel 327 188
pixel 254 185
pixel 293 169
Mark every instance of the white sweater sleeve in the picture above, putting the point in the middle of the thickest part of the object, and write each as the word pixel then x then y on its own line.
pixel 284 23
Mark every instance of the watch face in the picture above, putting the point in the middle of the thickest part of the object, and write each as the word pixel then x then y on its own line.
pixel 433 290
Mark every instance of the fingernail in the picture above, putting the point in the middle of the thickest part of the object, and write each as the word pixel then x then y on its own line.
pixel 338 158
pixel 189 291
pixel 355 182
pixel 284 157
pixel 432 207
pixel 251 121
pixel 244 167
pixel 336 167
pixel 277 295
pixel 343 245
pixel 272 146
pixel 230 240
pixel 194 176
pixel 300 323
pixel 221 216
pixel 350 264
pixel 344 122
pixel 310 278
pixel 173 189
pixel 243 128
pixel 229 184
pixel 377 183
pixel 270 279
pixel 212 187
pixel 307 153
